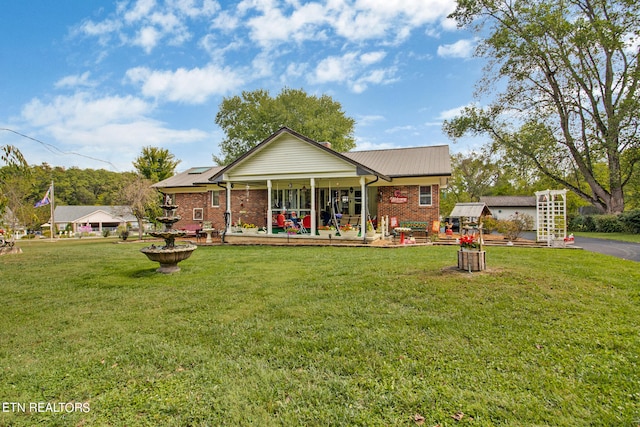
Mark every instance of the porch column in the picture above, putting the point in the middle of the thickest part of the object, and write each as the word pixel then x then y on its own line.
pixel 228 209
pixel 269 210
pixel 313 207
pixel 363 210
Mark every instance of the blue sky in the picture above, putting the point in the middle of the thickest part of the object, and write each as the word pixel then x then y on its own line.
pixel 105 78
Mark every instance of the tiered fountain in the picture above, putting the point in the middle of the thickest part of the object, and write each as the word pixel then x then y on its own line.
pixel 170 254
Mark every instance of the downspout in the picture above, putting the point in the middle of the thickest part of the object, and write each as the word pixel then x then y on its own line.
pixel 227 215
pixel 366 206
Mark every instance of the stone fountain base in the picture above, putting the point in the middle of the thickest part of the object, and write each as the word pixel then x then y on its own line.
pixel 168 257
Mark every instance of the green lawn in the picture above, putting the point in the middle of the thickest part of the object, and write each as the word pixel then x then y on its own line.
pixel 318 336
pixel 623 237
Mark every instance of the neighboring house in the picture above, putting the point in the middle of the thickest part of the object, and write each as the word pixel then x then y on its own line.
pixel 11 222
pixel 289 172
pixel 502 207
pixel 93 218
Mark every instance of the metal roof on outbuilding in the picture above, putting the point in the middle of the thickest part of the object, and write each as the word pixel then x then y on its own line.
pixel 470 210
pixel 509 201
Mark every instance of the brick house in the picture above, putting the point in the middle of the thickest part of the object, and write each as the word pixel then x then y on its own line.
pixel 288 172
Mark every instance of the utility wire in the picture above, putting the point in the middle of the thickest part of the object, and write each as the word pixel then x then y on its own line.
pixel 53 149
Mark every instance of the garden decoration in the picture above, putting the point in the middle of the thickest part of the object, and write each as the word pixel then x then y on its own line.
pixel 170 254
pixel 471 257
pixel 402 231
pixel 469 242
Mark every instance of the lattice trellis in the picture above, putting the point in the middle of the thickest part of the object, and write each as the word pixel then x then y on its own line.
pixel 551 211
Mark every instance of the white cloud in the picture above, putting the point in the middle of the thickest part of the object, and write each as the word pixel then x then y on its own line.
pixel 140 10
pixel 336 68
pixel 145 23
pixel 372 57
pixel 403 129
pixel 83 111
pixel 370 119
pixel 367 145
pixel 192 86
pixel 353 69
pixel 460 49
pixel 147 38
pixel 111 128
pixel 453 112
pixel 75 81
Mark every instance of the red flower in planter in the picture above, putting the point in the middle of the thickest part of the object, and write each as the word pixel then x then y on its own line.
pixel 469 242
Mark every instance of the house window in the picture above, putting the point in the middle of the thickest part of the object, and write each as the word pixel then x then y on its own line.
pixel 425 195
pixel 197 214
pixel 215 198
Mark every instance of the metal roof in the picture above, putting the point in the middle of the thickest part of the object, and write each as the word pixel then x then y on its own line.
pixel 470 210
pixel 509 201
pixel 389 163
pixel 190 178
pixel 406 162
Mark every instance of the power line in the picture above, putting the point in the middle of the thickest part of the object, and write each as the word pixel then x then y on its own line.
pixel 53 149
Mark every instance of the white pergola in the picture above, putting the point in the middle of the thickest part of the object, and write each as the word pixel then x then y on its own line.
pixel 551 211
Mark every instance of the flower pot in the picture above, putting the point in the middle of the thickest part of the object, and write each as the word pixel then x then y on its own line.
pixel 352 234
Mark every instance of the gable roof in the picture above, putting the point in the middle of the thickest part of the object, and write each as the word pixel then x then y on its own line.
pixel 386 164
pixel 470 210
pixel 360 168
pixel 75 213
pixel 509 201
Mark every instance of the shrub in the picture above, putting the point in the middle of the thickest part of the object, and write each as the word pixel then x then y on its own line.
pixel 515 226
pixel 123 232
pixel 489 224
pixel 631 221
pixel 583 223
pixel 607 224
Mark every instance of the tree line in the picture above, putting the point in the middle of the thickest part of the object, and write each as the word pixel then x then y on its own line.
pixel 22 185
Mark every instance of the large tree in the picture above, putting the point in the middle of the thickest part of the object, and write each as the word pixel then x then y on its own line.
pixel 569 75
pixel 473 176
pixel 156 164
pixel 250 118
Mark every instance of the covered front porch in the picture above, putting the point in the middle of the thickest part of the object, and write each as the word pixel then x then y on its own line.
pixel 295 187
pixel 312 208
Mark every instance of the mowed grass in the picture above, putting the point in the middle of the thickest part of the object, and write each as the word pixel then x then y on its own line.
pixel 319 336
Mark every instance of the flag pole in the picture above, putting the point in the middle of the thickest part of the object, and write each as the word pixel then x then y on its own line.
pixel 53 221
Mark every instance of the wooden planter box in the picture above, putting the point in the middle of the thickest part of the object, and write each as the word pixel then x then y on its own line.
pixel 472 260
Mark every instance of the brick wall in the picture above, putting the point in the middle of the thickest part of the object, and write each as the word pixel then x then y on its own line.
pixel 410 211
pixel 254 208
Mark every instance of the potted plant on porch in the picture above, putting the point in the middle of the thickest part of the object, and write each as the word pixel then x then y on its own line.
pixel 326 230
pixel 348 231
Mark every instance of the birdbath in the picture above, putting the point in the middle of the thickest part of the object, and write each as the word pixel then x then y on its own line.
pixel 170 254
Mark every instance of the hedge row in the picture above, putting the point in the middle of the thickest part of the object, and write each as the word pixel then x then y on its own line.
pixel 627 222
